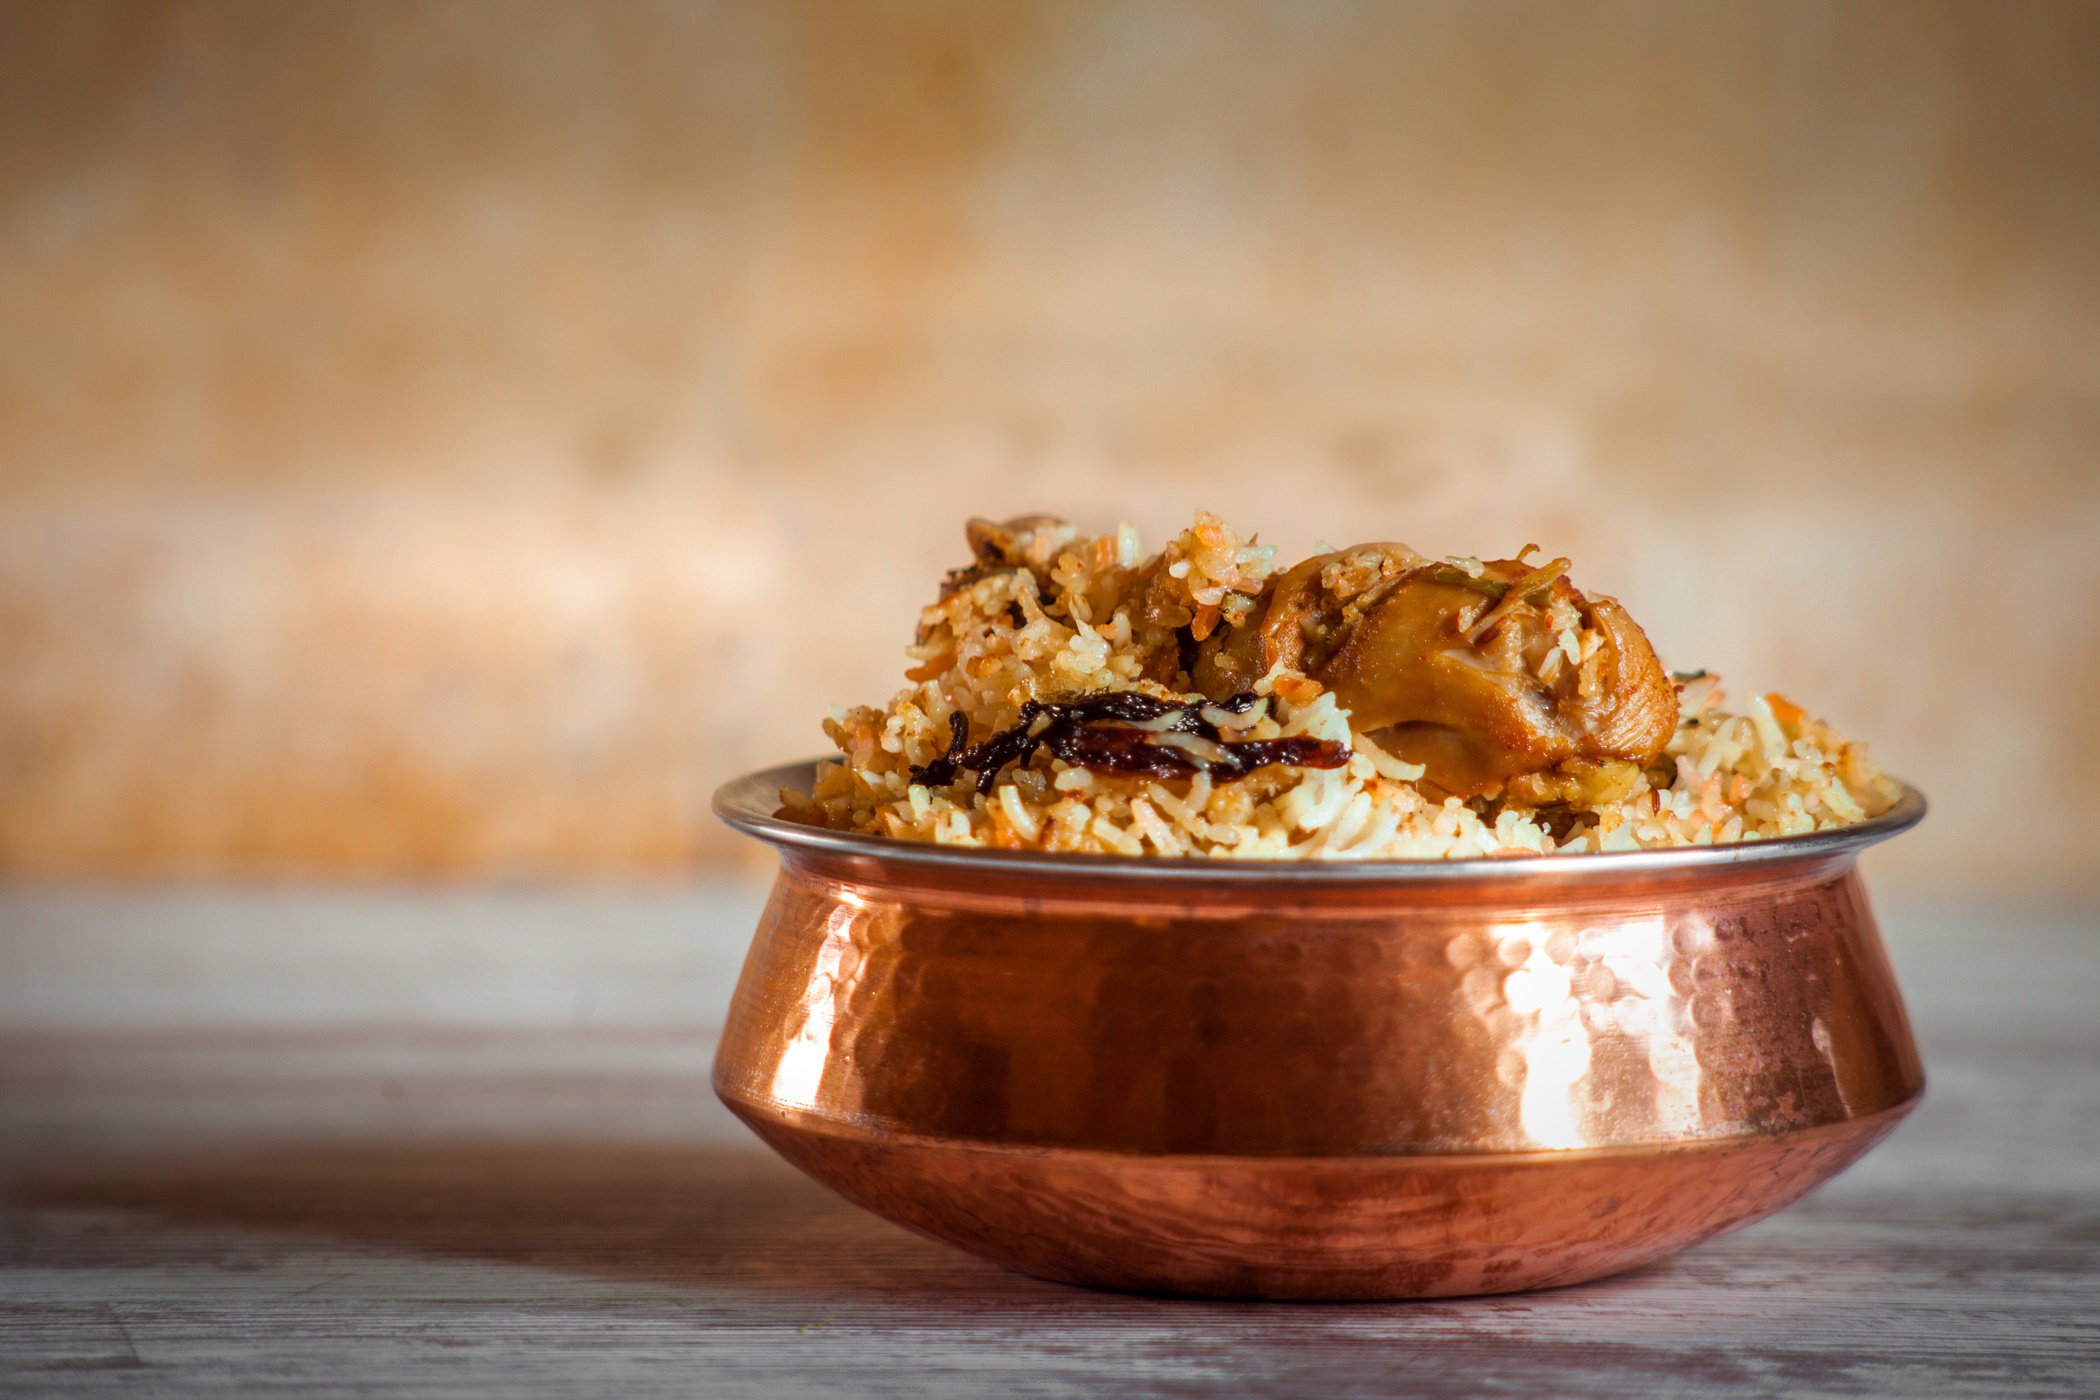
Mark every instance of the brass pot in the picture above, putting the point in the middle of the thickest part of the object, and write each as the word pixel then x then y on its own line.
pixel 1370 1079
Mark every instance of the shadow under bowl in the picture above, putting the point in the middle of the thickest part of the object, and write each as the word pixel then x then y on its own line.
pixel 1366 1079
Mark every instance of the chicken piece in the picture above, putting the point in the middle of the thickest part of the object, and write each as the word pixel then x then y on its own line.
pixel 1304 614
pixel 1471 676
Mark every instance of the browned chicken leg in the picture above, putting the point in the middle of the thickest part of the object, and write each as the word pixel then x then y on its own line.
pixel 1507 678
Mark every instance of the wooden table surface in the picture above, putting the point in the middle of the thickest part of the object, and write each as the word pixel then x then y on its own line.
pixel 457 1144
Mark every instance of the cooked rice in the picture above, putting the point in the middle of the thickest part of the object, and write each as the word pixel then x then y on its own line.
pixel 1767 769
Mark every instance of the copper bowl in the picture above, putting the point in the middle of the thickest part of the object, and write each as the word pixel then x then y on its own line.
pixel 1372 1079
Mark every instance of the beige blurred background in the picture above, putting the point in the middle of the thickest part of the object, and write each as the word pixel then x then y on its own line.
pixel 447 439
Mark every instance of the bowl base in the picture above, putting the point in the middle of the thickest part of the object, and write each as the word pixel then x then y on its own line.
pixel 1318 1228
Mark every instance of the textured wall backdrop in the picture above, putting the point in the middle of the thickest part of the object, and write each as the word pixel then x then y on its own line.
pixel 452 437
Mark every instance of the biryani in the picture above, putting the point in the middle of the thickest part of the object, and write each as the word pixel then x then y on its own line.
pixel 1069 692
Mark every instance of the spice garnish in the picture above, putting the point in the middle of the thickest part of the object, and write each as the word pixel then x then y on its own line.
pixel 1531 588
pixel 1102 732
pixel 1459 578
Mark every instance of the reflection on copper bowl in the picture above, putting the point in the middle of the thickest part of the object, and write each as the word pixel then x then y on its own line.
pixel 1375 1079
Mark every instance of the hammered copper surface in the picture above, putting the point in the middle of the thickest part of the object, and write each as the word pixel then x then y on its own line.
pixel 1318 1227
pixel 1295 1088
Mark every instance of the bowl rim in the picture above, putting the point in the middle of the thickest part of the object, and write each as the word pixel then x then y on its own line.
pixel 748 803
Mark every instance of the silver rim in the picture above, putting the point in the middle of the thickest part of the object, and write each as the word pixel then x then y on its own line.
pixel 749 802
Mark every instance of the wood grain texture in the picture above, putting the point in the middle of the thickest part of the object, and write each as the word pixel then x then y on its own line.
pixel 353 1198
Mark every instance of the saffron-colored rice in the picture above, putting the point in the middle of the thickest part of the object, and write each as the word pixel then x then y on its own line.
pixel 1064 623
